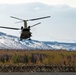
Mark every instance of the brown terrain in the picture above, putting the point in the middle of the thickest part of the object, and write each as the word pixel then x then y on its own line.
pixel 37 61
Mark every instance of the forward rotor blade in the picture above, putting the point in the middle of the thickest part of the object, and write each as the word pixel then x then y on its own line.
pixel 9 28
pixel 35 24
pixel 38 18
pixel 16 18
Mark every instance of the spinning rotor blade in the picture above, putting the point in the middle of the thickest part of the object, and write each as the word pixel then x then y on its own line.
pixel 35 24
pixel 16 18
pixel 9 28
pixel 31 19
pixel 38 18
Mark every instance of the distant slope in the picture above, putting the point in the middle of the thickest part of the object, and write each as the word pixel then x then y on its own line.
pixel 13 42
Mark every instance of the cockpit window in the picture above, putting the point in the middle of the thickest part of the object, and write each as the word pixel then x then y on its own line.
pixel 25 29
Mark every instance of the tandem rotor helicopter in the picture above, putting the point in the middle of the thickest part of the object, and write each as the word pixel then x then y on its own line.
pixel 25 30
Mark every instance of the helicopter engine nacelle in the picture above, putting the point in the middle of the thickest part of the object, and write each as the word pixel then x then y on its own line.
pixel 21 27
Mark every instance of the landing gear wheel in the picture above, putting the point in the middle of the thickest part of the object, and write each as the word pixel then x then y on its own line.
pixel 29 38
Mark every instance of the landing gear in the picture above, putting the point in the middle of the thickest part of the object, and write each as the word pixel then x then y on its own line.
pixel 29 38
pixel 20 39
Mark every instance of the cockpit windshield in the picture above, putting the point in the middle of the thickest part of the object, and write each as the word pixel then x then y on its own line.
pixel 26 29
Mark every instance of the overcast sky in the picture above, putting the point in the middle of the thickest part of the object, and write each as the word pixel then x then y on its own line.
pixel 60 27
pixel 50 2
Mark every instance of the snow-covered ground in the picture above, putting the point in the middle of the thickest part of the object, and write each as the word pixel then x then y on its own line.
pixel 13 42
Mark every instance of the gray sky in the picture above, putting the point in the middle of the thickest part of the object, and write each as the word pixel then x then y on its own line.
pixel 60 27
pixel 50 2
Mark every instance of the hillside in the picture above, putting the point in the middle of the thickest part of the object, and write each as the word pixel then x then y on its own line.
pixel 13 42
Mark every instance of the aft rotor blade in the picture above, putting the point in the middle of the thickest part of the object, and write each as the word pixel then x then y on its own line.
pixel 9 28
pixel 39 18
pixel 35 24
pixel 16 18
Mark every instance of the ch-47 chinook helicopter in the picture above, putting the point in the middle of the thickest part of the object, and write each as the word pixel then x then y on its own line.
pixel 25 30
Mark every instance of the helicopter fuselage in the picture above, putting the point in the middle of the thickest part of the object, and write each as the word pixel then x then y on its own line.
pixel 25 33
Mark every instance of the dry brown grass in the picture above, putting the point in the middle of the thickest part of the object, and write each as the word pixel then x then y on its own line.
pixel 53 57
